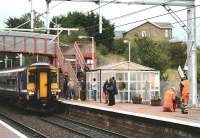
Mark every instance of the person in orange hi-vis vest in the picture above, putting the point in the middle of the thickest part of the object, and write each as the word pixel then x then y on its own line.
pixel 185 91
pixel 169 98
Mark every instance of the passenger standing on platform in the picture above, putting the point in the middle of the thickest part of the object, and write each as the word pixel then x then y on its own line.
pixel 115 85
pixel 71 86
pixel 111 92
pixel 83 89
pixel 115 88
pixel 94 89
pixel 185 94
pixel 65 87
pixel 105 91
pixel 169 98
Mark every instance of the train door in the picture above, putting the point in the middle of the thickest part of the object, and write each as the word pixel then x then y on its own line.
pixel 43 84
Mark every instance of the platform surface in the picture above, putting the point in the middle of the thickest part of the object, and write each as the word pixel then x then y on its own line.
pixel 7 131
pixel 146 111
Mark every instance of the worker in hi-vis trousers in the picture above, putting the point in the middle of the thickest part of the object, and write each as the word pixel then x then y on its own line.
pixel 169 98
pixel 185 94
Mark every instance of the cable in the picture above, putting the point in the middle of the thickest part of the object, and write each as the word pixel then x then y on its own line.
pixel 132 13
pixel 103 5
pixel 152 28
pixel 142 10
pixel 39 14
pixel 140 20
pixel 160 15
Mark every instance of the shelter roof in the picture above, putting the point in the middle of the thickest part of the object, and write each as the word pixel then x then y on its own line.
pixel 125 65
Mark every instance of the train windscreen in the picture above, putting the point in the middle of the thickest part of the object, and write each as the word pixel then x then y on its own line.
pixel 53 77
pixel 31 77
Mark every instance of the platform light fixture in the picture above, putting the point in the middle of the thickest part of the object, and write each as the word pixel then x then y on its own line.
pixel 129 49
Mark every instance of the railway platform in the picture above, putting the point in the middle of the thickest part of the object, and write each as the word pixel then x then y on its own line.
pixel 143 120
pixel 146 111
pixel 7 131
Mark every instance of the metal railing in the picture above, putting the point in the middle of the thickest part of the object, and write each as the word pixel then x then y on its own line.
pixel 67 69
pixel 79 56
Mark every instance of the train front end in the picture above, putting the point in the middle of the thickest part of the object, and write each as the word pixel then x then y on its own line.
pixel 42 84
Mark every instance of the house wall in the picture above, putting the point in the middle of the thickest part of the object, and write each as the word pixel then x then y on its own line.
pixel 151 30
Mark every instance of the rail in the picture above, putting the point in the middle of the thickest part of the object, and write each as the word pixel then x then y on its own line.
pixel 32 133
pixel 82 128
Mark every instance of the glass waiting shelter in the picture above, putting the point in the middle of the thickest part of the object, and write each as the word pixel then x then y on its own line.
pixel 132 80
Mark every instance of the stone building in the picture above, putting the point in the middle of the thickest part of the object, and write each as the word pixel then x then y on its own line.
pixel 154 30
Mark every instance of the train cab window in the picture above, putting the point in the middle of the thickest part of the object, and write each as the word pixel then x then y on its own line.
pixel 53 77
pixel 31 76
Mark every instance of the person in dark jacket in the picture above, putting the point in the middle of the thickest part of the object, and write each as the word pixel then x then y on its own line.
pixel 83 89
pixel 115 88
pixel 110 90
pixel 105 91
pixel 65 87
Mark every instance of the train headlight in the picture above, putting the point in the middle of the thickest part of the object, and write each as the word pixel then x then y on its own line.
pixel 57 96
pixel 27 97
pixel 31 92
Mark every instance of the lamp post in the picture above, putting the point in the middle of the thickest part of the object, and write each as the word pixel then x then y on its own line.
pixel 129 49
pixel 91 37
pixel 129 60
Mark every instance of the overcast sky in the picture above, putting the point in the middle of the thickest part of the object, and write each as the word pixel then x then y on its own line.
pixel 15 8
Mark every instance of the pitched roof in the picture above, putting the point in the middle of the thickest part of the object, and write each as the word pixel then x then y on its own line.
pixel 125 65
pixel 163 24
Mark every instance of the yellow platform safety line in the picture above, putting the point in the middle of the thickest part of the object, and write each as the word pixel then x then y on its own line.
pixel 43 84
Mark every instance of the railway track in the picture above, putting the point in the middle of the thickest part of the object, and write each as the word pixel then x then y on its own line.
pixel 83 129
pixel 29 132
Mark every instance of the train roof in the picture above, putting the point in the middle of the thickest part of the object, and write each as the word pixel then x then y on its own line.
pixel 40 64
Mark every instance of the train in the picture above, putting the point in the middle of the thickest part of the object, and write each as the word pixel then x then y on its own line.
pixel 33 87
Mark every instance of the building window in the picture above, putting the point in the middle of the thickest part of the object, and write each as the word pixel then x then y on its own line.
pixel 166 33
pixel 144 34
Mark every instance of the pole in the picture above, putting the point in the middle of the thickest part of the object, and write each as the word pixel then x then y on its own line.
pixel 129 51
pixel 20 60
pixel 37 58
pixel 192 55
pixel 100 17
pixel 93 53
pixel 32 16
pixel 11 63
pixel 6 62
pixel 47 16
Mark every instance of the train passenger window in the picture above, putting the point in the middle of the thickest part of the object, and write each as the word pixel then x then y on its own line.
pixel 53 77
pixel 31 76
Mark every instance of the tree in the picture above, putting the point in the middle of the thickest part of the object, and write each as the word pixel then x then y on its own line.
pixel 151 54
pixel 118 47
pixel 88 24
pixel 177 53
pixel 14 22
